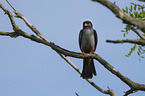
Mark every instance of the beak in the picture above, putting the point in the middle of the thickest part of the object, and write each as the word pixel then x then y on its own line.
pixel 86 24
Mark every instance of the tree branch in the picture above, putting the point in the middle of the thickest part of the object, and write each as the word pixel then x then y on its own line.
pixel 19 32
pixel 19 15
pixel 15 27
pixel 138 42
pixel 125 18
pixel 138 5
pixel 63 53
pixel 137 32
pixel 110 91
pixel 130 92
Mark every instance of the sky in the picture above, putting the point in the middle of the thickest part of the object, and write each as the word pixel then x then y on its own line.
pixel 31 69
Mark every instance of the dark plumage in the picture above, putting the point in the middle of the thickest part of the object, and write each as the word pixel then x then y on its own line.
pixel 88 42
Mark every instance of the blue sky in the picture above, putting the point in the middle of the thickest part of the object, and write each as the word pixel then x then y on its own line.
pixel 31 69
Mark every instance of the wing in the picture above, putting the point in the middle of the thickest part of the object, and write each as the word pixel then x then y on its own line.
pixel 96 39
pixel 80 38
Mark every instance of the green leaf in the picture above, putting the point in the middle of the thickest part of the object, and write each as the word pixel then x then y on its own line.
pixel 138 7
pixel 127 28
pixel 130 14
pixel 136 14
pixel 135 7
pixel 143 12
pixel 123 23
pixel 126 9
pixel 130 8
pixel 132 49
pixel 138 53
pixel 141 56
pixel 124 35
pixel 126 32
pixel 139 50
pixel 140 47
pixel 139 15
pixel 126 55
pixel 123 10
pixel 122 31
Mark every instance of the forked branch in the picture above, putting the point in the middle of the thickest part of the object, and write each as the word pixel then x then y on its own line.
pixel 63 53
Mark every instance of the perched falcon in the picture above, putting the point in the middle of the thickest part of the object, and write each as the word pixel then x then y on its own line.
pixel 88 42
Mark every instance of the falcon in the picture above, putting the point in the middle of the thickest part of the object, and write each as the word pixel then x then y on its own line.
pixel 88 42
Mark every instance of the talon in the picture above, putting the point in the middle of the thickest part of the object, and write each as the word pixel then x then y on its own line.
pixel 91 52
pixel 83 54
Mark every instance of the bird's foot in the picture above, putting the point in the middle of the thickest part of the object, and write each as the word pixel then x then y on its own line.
pixel 91 52
pixel 83 54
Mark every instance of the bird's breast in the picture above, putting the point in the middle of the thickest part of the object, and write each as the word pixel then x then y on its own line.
pixel 88 42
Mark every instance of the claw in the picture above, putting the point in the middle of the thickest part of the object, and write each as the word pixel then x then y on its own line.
pixel 91 52
pixel 83 54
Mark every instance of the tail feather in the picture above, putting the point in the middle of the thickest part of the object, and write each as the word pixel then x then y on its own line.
pixel 88 68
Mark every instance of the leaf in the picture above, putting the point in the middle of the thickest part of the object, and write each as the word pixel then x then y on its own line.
pixel 139 15
pixel 123 10
pixel 126 32
pixel 141 56
pixel 136 14
pixel 135 7
pixel 127 28
pixel 130 8
pixel 124 35
pixel 130 14
pixel 126 55
pixel 132 49
pixel 143 12
pixel 139 50
pixel 126 9
pixel 123 22
pixel 138 53
pixel 138 7
pixel 140 47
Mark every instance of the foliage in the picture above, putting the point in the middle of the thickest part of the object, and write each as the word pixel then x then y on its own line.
pixel 135 11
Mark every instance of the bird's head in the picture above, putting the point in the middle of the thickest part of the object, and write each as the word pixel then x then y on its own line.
pixel 87 24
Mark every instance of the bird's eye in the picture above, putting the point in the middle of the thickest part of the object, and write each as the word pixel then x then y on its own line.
pixel 86 24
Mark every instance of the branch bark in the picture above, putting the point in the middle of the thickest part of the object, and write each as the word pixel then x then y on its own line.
pixel 126 80
pixel 138 42
pixel 110 91
pixel 125 18
pixel 137 32
pixel 63 53
pixel 18 32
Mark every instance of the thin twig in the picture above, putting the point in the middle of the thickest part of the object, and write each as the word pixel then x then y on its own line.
pixel 46 42
pixel 125 18
pixel 76 93
pixel 130 92
pixel 15 27
pixel 19 15
pixel 138 42
pixel 11 5
pixel 70 63
pixel 110 91
pixel 137 32
pixel 137 5
pixel 65 53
